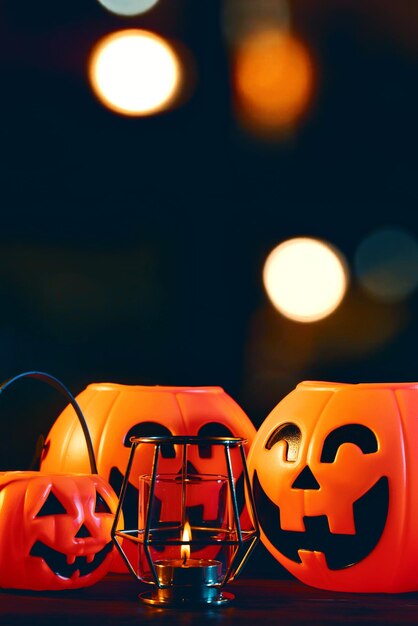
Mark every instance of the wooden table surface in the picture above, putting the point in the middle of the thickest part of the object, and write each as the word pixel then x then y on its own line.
pixel 114 601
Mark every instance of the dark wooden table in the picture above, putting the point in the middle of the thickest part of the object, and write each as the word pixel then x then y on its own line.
pixel 257 602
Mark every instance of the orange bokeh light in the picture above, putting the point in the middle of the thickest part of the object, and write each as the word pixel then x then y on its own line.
pixel 273 78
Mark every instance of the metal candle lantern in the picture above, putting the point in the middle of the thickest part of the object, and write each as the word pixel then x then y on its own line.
pixel 195 531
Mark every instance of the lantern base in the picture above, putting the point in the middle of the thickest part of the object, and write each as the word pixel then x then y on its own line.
pixel 180 597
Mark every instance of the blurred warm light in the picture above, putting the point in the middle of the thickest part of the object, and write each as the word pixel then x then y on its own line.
pixel 240 17
pixel 128 7
pixel 135 72
pixel 305 279
pixel 386 264
pixel 279 354
pixel 273 79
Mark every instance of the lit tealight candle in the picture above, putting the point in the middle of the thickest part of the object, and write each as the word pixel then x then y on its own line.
pixel 187 580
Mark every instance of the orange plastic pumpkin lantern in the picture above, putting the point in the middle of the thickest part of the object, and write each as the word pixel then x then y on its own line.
pixel 334 472
pixel 55 529
pixel 115 413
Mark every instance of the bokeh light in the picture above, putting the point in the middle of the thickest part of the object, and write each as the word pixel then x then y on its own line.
pixel 135 72
pixel 128 7
pixel 305 279
pixel 273 80
pixel 386 264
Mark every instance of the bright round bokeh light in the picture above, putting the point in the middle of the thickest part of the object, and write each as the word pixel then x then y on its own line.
pixel 128 7
pixel 305 279
pixel 386 264
pixel 135 72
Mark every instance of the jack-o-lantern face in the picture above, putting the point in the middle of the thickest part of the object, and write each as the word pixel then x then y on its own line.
pixel 54 530
pixel 115 413
pixel 350 531
pixel 328 474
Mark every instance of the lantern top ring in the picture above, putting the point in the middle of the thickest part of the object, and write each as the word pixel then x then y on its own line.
pixel 190 439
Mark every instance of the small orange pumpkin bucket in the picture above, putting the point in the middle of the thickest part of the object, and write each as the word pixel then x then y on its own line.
pixel 55 528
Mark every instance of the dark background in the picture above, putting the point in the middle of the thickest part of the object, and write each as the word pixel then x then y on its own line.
pixel 131 249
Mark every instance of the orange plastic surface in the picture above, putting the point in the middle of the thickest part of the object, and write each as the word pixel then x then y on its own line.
pixel 334 469
pixel 113 410
pixel 54 530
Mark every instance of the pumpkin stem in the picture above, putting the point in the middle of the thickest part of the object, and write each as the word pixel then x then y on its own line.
pixel 59 386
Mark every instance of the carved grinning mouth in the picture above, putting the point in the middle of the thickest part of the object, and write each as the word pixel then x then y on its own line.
pixel 57 561
pixel 340 551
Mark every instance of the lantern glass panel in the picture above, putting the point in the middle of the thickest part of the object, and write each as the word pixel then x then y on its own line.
pixel 201 500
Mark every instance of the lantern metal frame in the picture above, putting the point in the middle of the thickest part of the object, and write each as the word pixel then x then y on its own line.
pixel 243 541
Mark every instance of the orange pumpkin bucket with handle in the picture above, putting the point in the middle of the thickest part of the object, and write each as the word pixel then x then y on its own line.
pixel 55 528
pixel 334 470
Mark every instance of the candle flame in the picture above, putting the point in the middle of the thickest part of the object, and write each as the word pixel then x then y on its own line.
pixel 186 536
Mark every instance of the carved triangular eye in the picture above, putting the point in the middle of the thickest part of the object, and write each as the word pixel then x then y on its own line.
pixel 101 505
pixel 51 506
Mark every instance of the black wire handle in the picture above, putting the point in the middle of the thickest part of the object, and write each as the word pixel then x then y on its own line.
pixel 59 386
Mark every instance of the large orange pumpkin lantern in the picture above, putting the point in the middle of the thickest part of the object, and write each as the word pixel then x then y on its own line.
pixel 55 528
pixel 115 413
pixel 334 472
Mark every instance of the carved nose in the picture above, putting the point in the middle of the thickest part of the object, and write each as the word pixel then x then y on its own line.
pixel 190 469
pixel 305 480
pixel 83 532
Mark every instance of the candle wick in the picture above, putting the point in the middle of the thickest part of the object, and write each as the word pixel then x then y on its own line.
pixel 185 559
